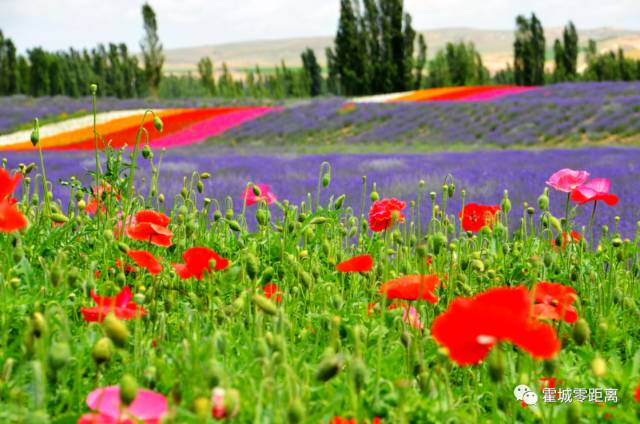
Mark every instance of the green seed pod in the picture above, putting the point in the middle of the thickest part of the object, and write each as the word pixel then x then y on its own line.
pixel 616 242
pixel 264 304
pixel 128 389
pixel 496 366
pixel 157 123
pixel 234 225
pixel 263 217
pixel 123 247
pixel 228 214
pixel 451 190
pixel 102 351
pixel 200 186
pixel 530 210
pixel 581 332
pixel 93 89
pixel 295 412
pixel 161 198
pixel 217 215
pixel 116 330
pixel 35 134
pixel 339 201
pixel 328 368
pixel 374 196
pixel 252 265
pixel 59 355
pixel 205 175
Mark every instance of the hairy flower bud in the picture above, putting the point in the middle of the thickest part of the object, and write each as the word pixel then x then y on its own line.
pixel 128 389
pixel 157 123
pixel 328 368
pixel 102 351
pixel 264 304
pixel 116 330
pixel 581 332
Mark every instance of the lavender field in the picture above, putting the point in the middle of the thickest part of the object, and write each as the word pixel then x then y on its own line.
pixel 569 114
pixel 484 174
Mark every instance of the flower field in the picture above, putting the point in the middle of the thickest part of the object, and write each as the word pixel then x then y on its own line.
pixel 163 279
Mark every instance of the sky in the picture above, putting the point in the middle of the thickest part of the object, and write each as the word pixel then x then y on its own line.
pixel 59 24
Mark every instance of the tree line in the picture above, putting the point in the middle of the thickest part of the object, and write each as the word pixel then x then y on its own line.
pixel 376 50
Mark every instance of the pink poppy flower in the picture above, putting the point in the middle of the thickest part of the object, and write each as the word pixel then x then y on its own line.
pixel 250 197
pixel 148 407
pixel 567 179
pixel 596 189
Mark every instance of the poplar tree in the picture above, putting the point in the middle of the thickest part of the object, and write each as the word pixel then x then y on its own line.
pixel 312 71
pixel 151 50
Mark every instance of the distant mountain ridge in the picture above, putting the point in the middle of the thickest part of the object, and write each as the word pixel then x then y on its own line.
pixel 495 46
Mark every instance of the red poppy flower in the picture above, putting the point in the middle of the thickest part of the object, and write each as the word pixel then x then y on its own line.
pixel 472 326
pixel 384 213
pixel 146 260
pixel 362 263
pixel 96 199
pixel 151 226
pixel 197 261
pixel 572 237
pixel 474 216
pixel 120 304
pixel 11 219
pixel 412 287
pixel 340 420
pixel 553 301
pixel 272 291
pixel 265 195
pixel 594 190
pixel 636 395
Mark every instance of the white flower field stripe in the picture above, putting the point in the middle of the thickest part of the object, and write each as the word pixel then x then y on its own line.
pixel 57 128
pixel 380 98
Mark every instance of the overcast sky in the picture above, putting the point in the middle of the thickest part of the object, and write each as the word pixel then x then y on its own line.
pixel 58 24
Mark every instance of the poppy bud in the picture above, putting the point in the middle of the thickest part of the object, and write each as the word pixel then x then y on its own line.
pixel 318 220
pixel 123 247
pixel 477 265
pixel 161 198
pixel 328 368
pixel 38 325
pixel 263 216
pixel 530 210
pixel 326 179
pixel 358 374
pixel 214 373
pixel 58 218
pixel 339 201
pixel 93 89
pixel 306 278
pixel 59 355
pixel 116 330
pixel 29 168
pixel 102 351
pixel 616 242
pixel 35 134
pixel 146 152
pixel 295 412
pixel 405 338
pixel 496 366
pixel 128 389
pixel 252 265
pixel 543 202
pixel 581 332
pixel 217 215
pixel 374 196
pixel 200 186
pixel 265 304
pixel 452 190
pixel 205 175
pixel 574 412
pixel 157 123
pixel 599 366
pixel 234 225
pixel 228 214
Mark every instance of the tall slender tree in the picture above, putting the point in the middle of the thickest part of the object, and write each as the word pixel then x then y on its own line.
pixel 207 79
pixel 151 49
pixel 421 61
pixel 312 71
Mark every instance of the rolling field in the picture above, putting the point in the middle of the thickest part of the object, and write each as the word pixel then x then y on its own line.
pixel 461 256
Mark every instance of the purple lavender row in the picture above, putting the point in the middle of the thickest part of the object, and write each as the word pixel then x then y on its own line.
pixel 483 174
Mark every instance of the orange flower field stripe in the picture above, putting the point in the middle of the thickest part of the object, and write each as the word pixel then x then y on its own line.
pixel 123 130
pixel 422 95
pixel 462 94
pixel 85 133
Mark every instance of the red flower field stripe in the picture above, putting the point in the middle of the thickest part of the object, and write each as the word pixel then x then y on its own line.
pixel 212 127
pixel 172 124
